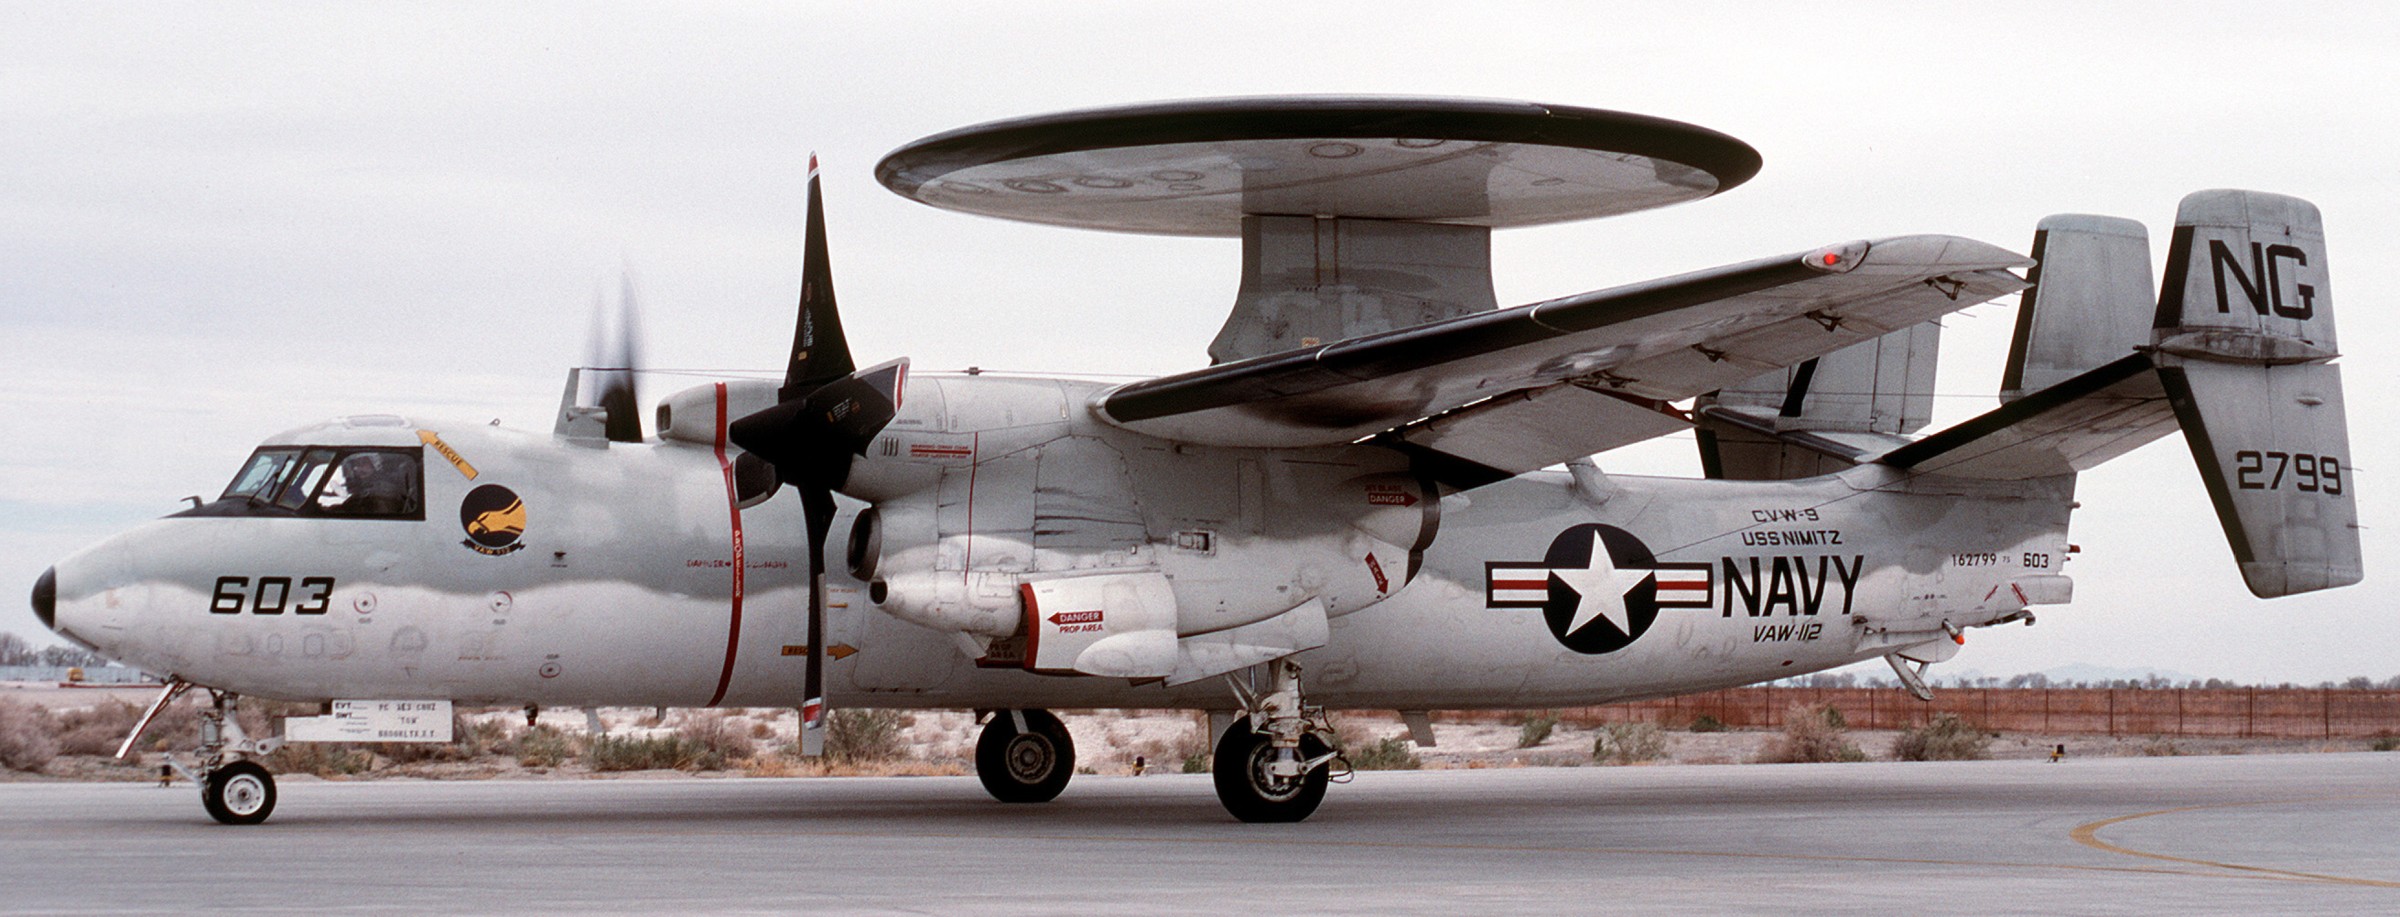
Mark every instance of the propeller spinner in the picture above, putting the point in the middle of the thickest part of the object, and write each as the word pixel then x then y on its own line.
pixel 827 412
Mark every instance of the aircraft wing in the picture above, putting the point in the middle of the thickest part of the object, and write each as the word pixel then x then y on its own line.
pixel 1486 396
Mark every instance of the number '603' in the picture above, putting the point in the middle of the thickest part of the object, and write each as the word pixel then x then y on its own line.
pixel 271 595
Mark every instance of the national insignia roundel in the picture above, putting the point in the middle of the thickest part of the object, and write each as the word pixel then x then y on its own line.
pixel 1599 588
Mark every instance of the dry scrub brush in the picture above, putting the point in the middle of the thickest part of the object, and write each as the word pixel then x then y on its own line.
pixel 1629 743
pixel 1535 728
pixel 1368 753
pixel 1947 738
pixel 865 736
pixel 545 746
pixel 26 736
pixel 717 735
pixel 1811 735
pixel 1186 749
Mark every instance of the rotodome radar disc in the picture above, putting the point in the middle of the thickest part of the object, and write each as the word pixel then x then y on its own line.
pixel 1198 167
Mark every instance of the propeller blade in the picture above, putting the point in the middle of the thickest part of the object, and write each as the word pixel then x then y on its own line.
pixel 610 361
pixel 817 505
pixel 820 352
pixel 826 413
pixel 617 388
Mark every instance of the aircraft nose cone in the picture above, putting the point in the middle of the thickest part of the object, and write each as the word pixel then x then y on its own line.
pixel 45 598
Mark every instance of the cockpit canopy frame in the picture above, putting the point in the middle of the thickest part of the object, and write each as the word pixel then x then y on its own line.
pixel 325 481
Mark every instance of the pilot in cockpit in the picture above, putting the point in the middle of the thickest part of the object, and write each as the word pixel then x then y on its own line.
pixel 370 484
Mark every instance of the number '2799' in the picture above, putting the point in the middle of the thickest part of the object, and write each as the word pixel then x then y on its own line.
pixel 2255 470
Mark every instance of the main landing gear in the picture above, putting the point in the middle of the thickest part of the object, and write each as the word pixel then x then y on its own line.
pixel 1273 763
pixel 1024 756
pixel 237 792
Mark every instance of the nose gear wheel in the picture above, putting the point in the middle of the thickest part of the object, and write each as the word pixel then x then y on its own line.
pixel 241 793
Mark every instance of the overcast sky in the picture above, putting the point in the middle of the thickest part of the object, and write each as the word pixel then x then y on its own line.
pixel 219 221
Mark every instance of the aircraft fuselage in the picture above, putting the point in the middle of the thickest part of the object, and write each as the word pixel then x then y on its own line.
pixel 623 574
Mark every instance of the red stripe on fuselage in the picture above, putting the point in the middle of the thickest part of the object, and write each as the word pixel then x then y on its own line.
pixel 975 444
pixel 733 504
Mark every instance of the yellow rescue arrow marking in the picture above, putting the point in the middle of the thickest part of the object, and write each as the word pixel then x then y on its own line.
pixel 428 437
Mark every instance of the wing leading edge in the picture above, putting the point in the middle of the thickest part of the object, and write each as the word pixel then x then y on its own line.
pixel 1494 394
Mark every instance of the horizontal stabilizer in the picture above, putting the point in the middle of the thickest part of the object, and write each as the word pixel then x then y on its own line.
pixel 2071 426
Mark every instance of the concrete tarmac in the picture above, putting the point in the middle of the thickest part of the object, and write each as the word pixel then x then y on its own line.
pixel 2253 834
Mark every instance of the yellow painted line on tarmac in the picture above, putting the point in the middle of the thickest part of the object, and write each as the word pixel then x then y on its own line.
pixel 2088 834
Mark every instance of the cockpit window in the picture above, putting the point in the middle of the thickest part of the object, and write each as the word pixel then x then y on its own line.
pixel 302 481
pixel 372 483
pixel 359 482
pixel 260 475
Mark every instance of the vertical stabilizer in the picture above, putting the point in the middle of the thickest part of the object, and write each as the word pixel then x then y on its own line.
pixel 2244 340
pixel 1863 397
pixel 2089 272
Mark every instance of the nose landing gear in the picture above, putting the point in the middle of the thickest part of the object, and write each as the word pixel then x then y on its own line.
pixel 236 793
pixel 240 793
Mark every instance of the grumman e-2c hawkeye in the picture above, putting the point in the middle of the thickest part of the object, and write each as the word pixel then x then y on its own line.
pixel 1379 491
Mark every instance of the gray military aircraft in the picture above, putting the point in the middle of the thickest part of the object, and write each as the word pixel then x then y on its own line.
pixel 1379 489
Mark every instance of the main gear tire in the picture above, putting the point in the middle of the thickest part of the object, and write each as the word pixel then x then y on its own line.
pixel 1029 766
pixel 1250 793
pixel 240 793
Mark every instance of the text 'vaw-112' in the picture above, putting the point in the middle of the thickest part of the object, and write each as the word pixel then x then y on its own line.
pixel 1378 494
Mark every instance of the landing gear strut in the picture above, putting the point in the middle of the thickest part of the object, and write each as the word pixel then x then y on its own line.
pixel 1273 763
pixel 236 792
pixel 1024 756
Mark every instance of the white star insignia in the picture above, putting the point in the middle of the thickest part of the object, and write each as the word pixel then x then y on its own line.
pixel 1600 589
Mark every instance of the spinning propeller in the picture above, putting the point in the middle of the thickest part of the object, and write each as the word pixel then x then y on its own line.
pixel 827 412
pixel 615 354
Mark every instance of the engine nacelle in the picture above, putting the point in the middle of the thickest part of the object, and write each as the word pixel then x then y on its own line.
pixel 1001 516
pixel 1116 624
